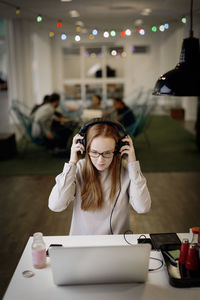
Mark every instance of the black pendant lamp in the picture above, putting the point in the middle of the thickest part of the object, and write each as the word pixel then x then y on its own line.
pixel 184 79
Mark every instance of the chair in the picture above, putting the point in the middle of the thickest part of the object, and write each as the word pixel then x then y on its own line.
pixel 25 120
pixel 132 128
pixel 72 114
pixel 145 121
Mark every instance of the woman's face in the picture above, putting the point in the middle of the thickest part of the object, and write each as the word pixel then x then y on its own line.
pixel 105 145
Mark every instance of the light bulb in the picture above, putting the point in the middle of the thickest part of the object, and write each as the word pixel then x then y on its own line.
pixel 106 34
pixel 63 36
pixel 39 18
pixel 77 38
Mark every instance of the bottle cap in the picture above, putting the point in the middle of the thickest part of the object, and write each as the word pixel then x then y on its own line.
pixel 195 230
pixel 28 273
pixel 38 235
pixel 193 245
pixel 185 241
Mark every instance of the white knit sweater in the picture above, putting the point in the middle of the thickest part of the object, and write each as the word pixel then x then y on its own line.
pixel 133 190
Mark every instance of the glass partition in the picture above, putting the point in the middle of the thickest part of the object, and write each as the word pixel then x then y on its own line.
pixel 93 89
pixel 71 63
pixel 115 90
pixel 93 62
pixel 72 91
pixel 115 61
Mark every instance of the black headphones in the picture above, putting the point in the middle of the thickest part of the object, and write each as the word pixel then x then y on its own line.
pixel 120 127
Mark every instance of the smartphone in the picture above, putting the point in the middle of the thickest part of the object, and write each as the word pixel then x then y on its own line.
pixel 174 253
pixel 52 245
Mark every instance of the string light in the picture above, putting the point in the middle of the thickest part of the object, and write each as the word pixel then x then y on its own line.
pixel 184 20
pixel 91 36
pixel 162 28
pixel 113 33
pixel 59 24
pixel 128 32
pixel 106 34
pixel 39 18
pixel 141 31
pixel 113 52
pixel 154 28
pixel 78 28
pixel 51 34
pixel 63 36
pixel 18 11
pixel 77 38
pixel 94 31
pixel 166 26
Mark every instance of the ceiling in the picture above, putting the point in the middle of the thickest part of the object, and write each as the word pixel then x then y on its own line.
pixel 100 14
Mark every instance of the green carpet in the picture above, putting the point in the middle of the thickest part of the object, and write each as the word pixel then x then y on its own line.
pixel 172 149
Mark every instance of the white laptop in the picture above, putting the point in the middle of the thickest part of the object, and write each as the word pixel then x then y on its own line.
pixel 99 264
pixel 89 113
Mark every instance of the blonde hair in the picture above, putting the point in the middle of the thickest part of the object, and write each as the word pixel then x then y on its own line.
pixel 91 193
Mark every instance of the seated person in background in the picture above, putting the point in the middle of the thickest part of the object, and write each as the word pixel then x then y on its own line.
pixel 96 102
pixel 55 130
pixel 59 118
pixel 123 113
pixel 45 100
pixel 94 110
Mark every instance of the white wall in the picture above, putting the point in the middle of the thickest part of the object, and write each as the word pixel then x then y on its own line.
pixel 41 65
pixel 19 61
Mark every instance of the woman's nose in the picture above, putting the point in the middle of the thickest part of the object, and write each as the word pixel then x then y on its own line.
pixel 100 158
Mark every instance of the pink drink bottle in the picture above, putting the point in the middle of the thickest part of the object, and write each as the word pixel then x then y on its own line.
pixel 38 251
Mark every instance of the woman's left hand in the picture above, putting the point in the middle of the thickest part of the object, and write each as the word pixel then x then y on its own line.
pixel 128 149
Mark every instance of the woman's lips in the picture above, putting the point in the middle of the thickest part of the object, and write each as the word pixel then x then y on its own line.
pixel 101 165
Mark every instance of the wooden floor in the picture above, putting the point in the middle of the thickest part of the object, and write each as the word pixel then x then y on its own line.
pixel 23 206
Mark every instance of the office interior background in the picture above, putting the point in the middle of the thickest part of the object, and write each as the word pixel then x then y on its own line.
pixel 63 54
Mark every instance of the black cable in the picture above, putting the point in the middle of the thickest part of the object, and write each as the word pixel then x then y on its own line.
pixel 111 231
pixel 128 231
pixel 158 268
pixel 143 235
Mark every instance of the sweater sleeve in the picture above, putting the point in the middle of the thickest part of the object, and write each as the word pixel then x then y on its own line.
pixel 63 191
pixel 138 191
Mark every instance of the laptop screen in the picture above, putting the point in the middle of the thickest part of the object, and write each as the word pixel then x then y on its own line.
pixel 99 264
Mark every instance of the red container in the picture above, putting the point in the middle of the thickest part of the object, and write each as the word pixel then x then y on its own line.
pixel 191 263
pixel 184 251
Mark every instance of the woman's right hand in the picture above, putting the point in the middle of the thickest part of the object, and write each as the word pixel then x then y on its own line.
pixel 75 148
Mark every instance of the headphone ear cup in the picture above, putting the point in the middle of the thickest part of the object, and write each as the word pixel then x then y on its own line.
pixel 121 144
pixel 82 141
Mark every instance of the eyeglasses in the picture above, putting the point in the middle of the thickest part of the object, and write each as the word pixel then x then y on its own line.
pixel 106 154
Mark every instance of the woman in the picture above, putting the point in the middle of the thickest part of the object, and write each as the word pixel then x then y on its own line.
pixel 102 184
pixel 123 113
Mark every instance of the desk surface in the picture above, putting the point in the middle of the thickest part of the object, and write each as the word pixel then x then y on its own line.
pixel 41 285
